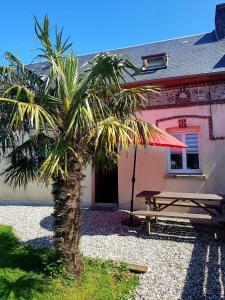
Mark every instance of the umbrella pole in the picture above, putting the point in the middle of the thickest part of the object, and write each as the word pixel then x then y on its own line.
pixel 133 183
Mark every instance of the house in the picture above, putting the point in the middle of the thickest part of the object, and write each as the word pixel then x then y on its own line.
pixel 191 106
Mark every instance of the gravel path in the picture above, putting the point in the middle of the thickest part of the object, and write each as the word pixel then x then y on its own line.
pixel 185 261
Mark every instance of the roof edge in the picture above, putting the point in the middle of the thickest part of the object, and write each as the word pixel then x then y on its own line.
pixel 181 79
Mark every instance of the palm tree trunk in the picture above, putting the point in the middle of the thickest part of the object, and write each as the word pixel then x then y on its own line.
pixel 67 215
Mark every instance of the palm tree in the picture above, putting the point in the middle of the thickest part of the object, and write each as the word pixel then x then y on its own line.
pixel 51 129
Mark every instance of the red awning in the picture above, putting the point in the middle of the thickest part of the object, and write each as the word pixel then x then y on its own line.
pixel 165 140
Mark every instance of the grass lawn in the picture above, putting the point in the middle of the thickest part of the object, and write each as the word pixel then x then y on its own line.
pixel 32 273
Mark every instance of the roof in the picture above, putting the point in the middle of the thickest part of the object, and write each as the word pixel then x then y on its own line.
pixel 194 55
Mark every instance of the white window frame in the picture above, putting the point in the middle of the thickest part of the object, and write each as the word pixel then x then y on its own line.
pixel 185 170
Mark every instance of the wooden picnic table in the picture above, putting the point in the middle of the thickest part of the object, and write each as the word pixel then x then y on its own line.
pixel 204 201
pixel 156 201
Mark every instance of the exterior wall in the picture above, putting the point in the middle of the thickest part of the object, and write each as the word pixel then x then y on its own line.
pixel 191 103
pixel 39 192
pixel 192 94
pixel 151 171
pixel 86 198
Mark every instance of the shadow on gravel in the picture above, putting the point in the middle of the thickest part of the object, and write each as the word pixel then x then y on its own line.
pixel 108 223
pixel 25 203
pixel 184 232
pixel 47 223
pixel 42 242
pixel 206 272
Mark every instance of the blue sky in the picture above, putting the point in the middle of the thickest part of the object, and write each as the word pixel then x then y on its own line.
pixel 102 25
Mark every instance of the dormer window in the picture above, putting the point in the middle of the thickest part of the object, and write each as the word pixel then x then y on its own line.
pixel 154 62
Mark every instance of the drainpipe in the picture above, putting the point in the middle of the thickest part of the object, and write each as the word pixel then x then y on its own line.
pixel 210 112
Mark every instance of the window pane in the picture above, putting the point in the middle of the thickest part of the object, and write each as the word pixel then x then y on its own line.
pixel 176 155
pixel 155 63
pixel 192 161
pixel 192 151
pixel 176 161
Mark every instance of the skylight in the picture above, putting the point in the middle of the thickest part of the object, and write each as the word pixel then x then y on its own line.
pixel 154 62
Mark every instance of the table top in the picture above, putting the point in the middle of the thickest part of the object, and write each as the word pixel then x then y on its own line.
pixel 145 194
pixel 182 196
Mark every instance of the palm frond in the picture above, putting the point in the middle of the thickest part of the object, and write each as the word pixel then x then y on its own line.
pixel 64 76
pixel 144 132
pixel 110 68
pixel 24 161
pixel 49 51
pixel 18 73
pixel 111 132
pixel 24 107
pixel 21 173
pixel 57 163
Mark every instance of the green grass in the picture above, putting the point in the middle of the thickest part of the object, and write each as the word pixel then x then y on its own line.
pixel 31 273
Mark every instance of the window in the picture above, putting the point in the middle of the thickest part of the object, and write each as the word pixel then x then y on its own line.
pixel 154 62
pixel 185 160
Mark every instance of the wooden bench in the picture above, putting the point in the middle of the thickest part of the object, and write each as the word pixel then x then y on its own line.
pixel 179 215
pixel 215 204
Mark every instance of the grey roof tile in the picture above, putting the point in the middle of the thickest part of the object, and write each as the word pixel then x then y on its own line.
pixel 187 56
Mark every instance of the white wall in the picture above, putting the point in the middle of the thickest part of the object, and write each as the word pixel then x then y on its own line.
pixel 86 197
pixel 39 192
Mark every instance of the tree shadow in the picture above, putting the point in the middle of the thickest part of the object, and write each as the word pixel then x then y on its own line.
pixel 42 242
pixel 106 223
pixel 206 272
pixel 47 223
pixel 21 288
pixel 23 271
pixel 25 203
pixel 15 255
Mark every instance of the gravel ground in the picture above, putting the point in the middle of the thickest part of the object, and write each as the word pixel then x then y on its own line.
pixel 185 261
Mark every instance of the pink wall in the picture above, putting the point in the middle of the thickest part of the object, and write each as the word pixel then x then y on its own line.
pixel 152 174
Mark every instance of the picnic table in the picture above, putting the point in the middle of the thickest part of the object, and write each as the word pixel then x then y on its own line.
pixel 212 206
